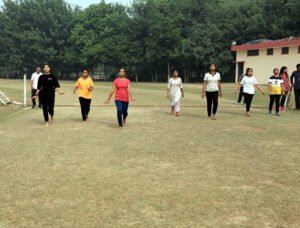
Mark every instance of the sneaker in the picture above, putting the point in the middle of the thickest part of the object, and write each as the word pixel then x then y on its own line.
pixel 277 114
pixel 270 112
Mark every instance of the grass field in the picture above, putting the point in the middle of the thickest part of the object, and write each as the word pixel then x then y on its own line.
pixel 159 171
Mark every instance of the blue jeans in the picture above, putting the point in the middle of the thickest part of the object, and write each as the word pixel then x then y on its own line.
pixel 122 107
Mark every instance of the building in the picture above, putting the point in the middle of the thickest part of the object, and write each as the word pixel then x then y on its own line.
pixel 265 55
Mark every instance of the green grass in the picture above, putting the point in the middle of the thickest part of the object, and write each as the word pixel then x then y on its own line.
pixel 159 171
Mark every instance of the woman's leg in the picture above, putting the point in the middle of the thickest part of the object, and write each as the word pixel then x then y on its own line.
pixel 282 101
pixel 45 108
pixel 209 99
pixel 82 106
pixel 51 103
pixel 277 102
pixel 177 107
pixel 250 101
pixel 215 102
pixel 125 110
pixel 119 112
pixel 88 107
pixel 272 99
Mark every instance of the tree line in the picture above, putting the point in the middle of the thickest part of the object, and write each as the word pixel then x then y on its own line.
pixel 149 38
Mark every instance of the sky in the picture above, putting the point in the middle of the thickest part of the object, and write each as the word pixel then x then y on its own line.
pixel 86 3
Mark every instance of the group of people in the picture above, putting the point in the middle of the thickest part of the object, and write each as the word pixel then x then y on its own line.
pixel 280 85
pixel 45 85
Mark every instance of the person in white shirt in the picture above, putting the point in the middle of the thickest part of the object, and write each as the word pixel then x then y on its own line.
pixel 175 92
pixel 249 84
pixel 34 84
pixel 212 90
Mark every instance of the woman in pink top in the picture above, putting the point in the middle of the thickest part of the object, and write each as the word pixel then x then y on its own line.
pixel 287 86
pixel 122 90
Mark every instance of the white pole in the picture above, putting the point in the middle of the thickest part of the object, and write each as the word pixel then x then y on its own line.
pixel 25 99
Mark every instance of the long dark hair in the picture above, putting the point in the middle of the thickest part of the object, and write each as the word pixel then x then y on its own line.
pixel 282 70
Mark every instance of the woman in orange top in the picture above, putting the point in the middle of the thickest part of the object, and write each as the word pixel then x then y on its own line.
pixel 85 86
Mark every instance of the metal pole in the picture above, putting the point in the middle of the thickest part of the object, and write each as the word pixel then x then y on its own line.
pixel 25 92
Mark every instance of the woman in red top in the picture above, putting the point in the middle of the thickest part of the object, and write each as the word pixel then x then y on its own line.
pixel 122 90
pixel 286 84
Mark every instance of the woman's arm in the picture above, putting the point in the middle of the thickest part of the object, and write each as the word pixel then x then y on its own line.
pixel 220 88
pixel 111 93
pixel 257 87
pixel 75 88
pixel 130 93
pixel 204 88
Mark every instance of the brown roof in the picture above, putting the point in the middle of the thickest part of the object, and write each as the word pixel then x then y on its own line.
pixel 267 44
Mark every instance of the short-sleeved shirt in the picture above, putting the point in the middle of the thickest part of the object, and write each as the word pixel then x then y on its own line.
pixel 121 89
pixel 249 84
pixel 212 81
pixel 275 83
pixel 83 85
pixel 35 78
pixel 47 84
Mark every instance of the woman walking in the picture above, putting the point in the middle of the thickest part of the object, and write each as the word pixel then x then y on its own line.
pixel 122 90
pixel 175 92
pixel 212 90
pixel 275 90
pixel 286 87
pixel 249 84
pixel 85 86
pixel 47 85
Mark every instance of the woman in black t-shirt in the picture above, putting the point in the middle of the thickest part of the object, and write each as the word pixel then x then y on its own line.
pixel 47 85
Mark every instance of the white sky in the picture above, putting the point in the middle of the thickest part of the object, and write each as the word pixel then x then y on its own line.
pixel 86 3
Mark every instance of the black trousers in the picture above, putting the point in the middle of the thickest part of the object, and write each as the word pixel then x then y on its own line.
pixel 283 98
pixel 212 102
pixel 33 92
pixel 297 98
pixel 48 101
pixel 248 100
pixel 241 94
pixel 85 105
pixel 275 98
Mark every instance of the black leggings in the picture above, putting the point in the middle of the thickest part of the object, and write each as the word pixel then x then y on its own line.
pixel 85 107
pixel 212 102
pixel 48 105
pixel 275 98
pixel 248 100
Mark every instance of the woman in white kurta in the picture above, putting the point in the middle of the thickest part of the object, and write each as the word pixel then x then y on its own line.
pixel 175 92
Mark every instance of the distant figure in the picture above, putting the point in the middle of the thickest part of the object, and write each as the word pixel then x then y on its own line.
pixel 122 90
pixel 212 90
pixel 287 87
pixel 47 86
pixel 85 86
pixel 175 92
pixel 295 81
pixel 249 84
pixel 275 90
pixel 34 84
pixel 241 94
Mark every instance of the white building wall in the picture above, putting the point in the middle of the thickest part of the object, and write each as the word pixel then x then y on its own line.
pixel 264 64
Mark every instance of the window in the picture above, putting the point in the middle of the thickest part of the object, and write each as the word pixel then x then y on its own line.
pixel 285 51
pixel 253 52
pixel 270 51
